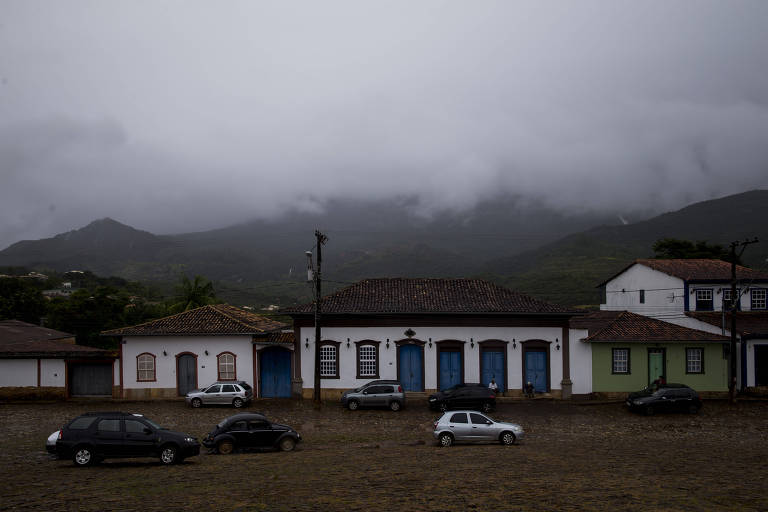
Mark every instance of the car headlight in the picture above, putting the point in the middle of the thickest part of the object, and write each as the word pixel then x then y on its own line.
pixel 432 399
pixel 637 402
pixel 190 439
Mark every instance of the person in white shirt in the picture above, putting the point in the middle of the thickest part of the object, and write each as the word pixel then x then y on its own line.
pixel 493 386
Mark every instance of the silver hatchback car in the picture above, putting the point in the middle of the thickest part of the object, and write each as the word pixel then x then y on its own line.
pixel 237 394
pixel 472 426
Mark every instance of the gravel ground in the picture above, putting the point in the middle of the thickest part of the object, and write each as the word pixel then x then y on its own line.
pixel 575 457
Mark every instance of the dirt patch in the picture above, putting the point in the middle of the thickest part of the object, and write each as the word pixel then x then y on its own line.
pixel 574 457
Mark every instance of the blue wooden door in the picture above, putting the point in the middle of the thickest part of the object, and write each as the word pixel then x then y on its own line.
pixel 275 373
pixel 411 368
pixel 450 369
pixel 493 368
pixel 536 370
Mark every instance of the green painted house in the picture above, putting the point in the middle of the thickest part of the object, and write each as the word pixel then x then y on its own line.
pixel 631 351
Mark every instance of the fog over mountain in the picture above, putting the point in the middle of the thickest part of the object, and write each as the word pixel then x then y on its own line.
pixel 175 116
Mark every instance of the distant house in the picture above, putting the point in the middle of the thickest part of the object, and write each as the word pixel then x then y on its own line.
pixel 434 333
pixel 170 356
pixel 696 293
pixel 630 351
pixel 40 362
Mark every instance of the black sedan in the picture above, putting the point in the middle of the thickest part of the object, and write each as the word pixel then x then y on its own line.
pixel 666 398
pixel 250 430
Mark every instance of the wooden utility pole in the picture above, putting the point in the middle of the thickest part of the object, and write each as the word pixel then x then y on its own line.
pixel 321 239
pixel 734 307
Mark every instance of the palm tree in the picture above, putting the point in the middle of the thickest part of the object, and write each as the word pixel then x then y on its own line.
pixel 193 294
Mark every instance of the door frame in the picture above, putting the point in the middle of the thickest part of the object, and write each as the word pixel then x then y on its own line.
pixel 656 350
pixel 536 346
pixel 178 356
pixel 410 341
pixel 450 346
pixel 495 346
pixel 259 389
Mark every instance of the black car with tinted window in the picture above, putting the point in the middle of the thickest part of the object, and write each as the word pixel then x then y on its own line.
pixel 665 398
pixel 464 396
pixel 250 430
pixel 95 436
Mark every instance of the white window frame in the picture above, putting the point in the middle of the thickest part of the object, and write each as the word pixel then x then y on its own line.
pixel 620 365
pixel 227 370
pixel 704 292
pixel 145 368
pixel 329 354
pixel 694 360
pixel 368 363
pixel 757 299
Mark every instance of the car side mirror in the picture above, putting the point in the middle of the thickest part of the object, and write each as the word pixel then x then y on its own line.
pixel 365 392
pixel 489 423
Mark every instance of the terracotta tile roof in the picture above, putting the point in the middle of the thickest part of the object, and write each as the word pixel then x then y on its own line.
pixel 626 327
pixel 20 339
pixel 696 270
pixel 413 296
pixel 281 337
pixel 218 319
pixel 748 323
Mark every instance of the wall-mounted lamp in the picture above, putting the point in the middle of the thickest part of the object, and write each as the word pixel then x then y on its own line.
pixel 347 342
pixel 165 353
pixel 471 343
pixel 387 343
pixel 514 344
pixel 306 343
pixel 430 342
pixel 557 343
pixel 206 352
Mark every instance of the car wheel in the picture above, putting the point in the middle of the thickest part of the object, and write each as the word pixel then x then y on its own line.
pixel 507 438
pixel 446 439
pixel 197 403
pixel 487 407
pixel 649 411
pixel 287 444
pixel 83 456
pixel 692 409
pixel 353 405
pixel 169 454
pixel 225 447
pixel 394 405
pixel 237 403
pixel 443 406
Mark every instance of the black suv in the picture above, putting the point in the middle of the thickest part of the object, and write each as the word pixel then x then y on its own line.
pixel 464 396
pixel 667 398
pixel 96 436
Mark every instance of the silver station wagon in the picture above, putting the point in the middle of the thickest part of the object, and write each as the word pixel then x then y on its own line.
pixel 237 394
pixel 472 426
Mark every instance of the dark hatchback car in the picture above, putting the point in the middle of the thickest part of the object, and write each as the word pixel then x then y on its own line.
pixel 464 396
pixel 667 398
pixel 102 435
pixel 250 430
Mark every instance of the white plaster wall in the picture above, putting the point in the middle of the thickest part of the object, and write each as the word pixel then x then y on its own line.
pixel 207 371
pixel 18 372
pixel 388 357
pixel 663 293
pixel 581 362
pixel 116 376
pixel 52 373
pixel 693 323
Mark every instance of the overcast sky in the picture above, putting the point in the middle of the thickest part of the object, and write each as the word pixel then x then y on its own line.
pixel 183 116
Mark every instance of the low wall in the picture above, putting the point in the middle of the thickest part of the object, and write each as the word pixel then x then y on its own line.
pixel 149 393
pixel 32 393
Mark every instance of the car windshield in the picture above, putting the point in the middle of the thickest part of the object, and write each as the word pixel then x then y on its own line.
pixel 153 424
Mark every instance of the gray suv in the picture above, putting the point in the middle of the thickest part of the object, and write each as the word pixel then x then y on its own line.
pixel 377 393
pixel 236 394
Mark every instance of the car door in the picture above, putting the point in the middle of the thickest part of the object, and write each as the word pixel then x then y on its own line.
pixel 108 437
pixel 664 400
pixel 139 439
pixel 261 433
pixel 482 427
pixel 371 396
pixel 212 394
pixel 682 399
pixel 228 393
pixel 459 425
